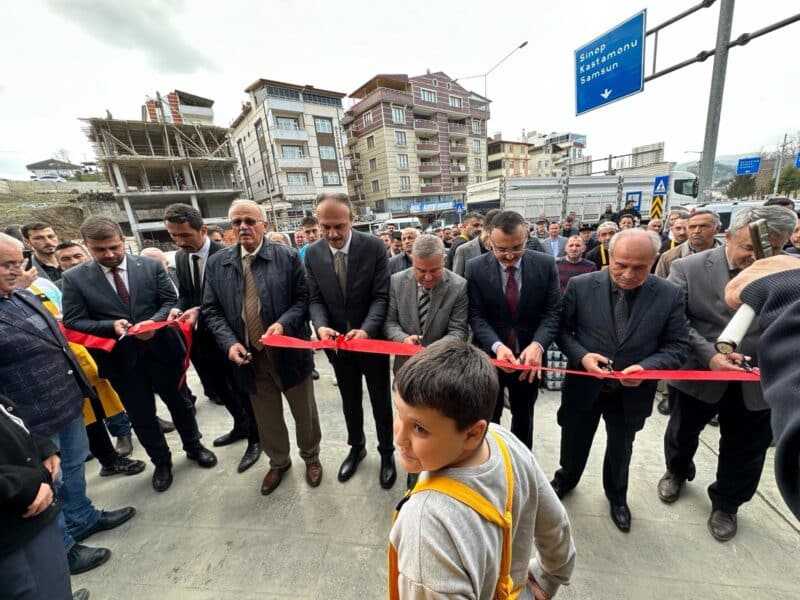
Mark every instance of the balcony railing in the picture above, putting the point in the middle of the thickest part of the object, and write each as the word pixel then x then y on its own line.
pixel 427 189
pixel 422 147
pixel 352 176
pixel 459 187
pixel 429 167
pixel 288 132
pixel 295 162
pixel 458 149
pixel 425 124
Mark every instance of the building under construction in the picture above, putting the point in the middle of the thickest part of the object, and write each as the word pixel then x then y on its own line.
pixel 152 164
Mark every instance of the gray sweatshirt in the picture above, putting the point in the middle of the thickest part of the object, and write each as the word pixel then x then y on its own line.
pixel 445 549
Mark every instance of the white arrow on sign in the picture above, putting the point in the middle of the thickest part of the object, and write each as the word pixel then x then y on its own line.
pixel 605 93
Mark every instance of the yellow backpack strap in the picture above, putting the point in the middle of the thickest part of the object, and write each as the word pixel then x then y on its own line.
pixel 46 302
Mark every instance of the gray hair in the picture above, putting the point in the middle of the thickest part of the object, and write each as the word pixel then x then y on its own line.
pixel 284 236
pixel 681 212
pixel 707 211
pixel 339 197
pixel 427 246
pixel 652 237
pixel 243 202
pixel 608 225
pixel 780 220
pixel 11 240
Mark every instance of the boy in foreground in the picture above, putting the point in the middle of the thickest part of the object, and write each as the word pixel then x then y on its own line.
pixel 450 538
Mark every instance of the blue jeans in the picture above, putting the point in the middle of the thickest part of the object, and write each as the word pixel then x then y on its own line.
pixel 119 425
pixel 78 513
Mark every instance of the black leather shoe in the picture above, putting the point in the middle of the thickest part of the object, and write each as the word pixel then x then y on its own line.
pixel 109 519
pixel 621 515
pixel 350 464
pixel 166 426
pixel 229 438
pixel 82 558
pixel 203 456
pixel 559 488
pixel 81 594
pixel 722 525
pixel 123 466
pixel 314 374
pixel 663 406
pixel 251 456
pixel 669 487
pixel 388 471
pixel 162 477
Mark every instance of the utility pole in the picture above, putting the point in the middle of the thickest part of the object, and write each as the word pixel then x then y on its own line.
pixel 715 99
pixel 779 166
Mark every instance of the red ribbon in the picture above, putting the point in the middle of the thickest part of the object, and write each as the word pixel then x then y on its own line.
pixel 90 341
pixel 398 348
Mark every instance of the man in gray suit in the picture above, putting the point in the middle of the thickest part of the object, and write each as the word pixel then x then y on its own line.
pixel 475 247
pixel 427 302
pixel 744 416
pixel 555 244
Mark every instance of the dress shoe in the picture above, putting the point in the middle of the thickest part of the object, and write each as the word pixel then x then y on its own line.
pixel 663 406
pixel 314 374
pixel 203 456
pixel 273 479
pixel 670 486
pixel 250 457
pixel 123 466
pixel 83 558
pixel 81 594
pixel 350 464
pixel 229 438
pixel 166 426
pixel 559 488
pixel 714 422
pixel 109 519
pixel 162 477
pixel 722 525
pixel 124 445
pixel 388 471
pixel 621 515
pixel 314 473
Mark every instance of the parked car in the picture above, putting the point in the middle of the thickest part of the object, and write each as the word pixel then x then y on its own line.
pixel 53 178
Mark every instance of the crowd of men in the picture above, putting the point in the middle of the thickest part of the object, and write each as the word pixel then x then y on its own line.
pixel 618 297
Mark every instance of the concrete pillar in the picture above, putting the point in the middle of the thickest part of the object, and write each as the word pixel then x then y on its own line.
pixel 122 184
pixel 187 177
pixel 132 220
pixel 193 200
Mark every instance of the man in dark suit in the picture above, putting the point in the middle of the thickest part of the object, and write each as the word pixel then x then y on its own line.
pixel 402 261
pixel 744 416
pixel 186 228
pixel 253 288
pixel 514 305
pixel 627 320
pixel 105 298
pixel 348 280
pixel 470 229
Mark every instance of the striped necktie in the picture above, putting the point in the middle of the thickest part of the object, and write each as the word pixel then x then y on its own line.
pixel 423 302
pixel 252 305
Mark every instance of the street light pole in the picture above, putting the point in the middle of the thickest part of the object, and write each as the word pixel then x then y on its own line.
pixel 486 75
pixel 779 166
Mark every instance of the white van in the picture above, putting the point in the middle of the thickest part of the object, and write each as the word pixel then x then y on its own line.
pixel 403 223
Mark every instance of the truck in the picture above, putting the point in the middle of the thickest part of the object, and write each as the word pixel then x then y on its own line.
pixel 586 195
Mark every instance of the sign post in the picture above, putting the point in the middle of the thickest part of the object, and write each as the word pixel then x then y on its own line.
pixel 611 66
pixel 660 188
pixel 748 166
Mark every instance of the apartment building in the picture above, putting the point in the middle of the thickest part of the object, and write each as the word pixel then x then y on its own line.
pixel 178 107
pixel 507 158
pixel 414 143
pixel 289 144
pixel 550 154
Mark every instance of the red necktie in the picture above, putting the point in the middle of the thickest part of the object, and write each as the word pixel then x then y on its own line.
pixel 122 290
pixel 512 302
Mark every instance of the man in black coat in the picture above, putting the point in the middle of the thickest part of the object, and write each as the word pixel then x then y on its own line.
pixel 622 319
pixel 105 298
pixel 514 306
pixel 186 228
pixel 348 279
pixel 255 288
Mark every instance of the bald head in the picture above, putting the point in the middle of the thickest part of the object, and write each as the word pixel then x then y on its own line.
pixel 633 252
pixel 157 255
pixel 10 263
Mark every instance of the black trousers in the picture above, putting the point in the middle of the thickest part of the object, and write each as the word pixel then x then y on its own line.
pixel 745 436
pixel 577 433
pixel 99 441
pixel 216 374
pixel 521 396
pixel 349 367
pixel 137 388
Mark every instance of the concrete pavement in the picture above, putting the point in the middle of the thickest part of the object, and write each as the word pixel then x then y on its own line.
pixel 212 536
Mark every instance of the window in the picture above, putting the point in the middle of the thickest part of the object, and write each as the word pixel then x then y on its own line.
pixel 400 138
pixel 398 114
pixel 370 142
pixel 427 181
pixel 287 123
pixel 330 178
pixel 323 125
pixel 297 178
pixel 367 119
pixel 259 127
pixel 476 127
pixel 428 95
pixel 477 163
pixel 402 161
pixel 405 182
pixel 478 178
pixel 476 145
pixel 455 101
pixel 376 186
pixel 317 99
pixel 292 151
pixel 327 152
pixel 373 164
pixel 509 149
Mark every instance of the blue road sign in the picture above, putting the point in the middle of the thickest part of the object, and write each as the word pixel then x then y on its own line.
pixel 611 66
pixel 748 166
pixel 459 206
pixel 797 161
pixel 636 198
pixel 661 185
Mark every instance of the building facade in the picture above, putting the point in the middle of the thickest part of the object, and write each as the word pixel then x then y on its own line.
pixel 507 158
pixel 53 167
pixel 550 154
pixel 178 107
pixel 414 143
pixel 289 143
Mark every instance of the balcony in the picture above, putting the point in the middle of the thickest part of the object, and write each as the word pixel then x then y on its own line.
pixel 430 189
pixel 299 189
pixel 428 149
pixel 430 167
pixel 297 162
pixel 355 157
pixel 289 133
pixel 459 187
pixel 458 150
pixel 457 167
pixel 456 130
pixel 425 124
pixel 353 176
pixel 284 104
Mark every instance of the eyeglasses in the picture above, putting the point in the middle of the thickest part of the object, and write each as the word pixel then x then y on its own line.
pixel 516 251
pixel 249 221
pixel 13 266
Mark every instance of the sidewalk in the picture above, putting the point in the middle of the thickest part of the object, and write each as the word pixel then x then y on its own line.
pixel 212 536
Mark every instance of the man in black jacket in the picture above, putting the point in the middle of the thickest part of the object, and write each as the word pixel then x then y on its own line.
pixel 186 228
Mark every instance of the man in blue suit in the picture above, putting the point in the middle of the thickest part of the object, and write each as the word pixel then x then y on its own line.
pixel 622 319
pixel 514 306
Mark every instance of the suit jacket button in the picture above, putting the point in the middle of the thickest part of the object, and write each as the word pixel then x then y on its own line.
pixel 69 372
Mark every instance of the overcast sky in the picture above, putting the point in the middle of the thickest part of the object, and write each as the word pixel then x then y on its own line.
pixel 64 60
